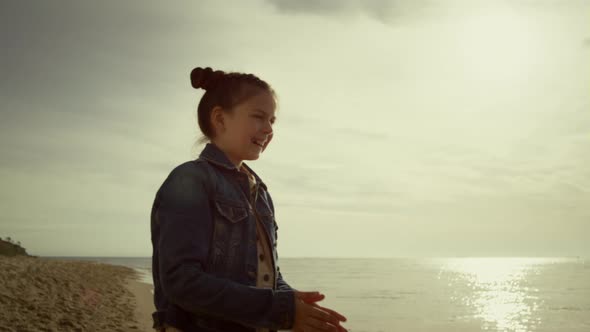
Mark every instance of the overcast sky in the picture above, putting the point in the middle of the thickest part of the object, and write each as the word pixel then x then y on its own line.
pixel 405 128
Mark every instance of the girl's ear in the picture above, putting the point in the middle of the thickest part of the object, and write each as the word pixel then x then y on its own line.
pixel 217 119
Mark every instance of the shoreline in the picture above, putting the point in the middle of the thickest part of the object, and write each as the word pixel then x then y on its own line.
pixel 144 301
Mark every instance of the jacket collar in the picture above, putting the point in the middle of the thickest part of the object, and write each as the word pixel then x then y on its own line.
pixel 213 154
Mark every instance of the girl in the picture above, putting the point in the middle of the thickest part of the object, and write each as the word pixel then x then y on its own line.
pixel 213 230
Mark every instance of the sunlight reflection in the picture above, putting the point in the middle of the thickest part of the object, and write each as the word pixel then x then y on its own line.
pixel 497 289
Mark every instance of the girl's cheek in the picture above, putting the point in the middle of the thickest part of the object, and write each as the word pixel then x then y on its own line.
pixel 255 126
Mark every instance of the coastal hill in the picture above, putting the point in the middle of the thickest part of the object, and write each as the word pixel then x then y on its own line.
pixel 9 248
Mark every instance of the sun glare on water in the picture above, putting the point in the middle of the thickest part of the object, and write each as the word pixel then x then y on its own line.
pixel 497 291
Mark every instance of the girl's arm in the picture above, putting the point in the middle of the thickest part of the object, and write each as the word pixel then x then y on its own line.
pixel 183 243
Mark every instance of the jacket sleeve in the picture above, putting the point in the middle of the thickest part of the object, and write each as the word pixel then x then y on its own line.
pixel 185 226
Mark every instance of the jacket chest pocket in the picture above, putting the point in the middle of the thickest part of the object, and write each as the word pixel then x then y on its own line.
pixel 231 212
pixel 230 233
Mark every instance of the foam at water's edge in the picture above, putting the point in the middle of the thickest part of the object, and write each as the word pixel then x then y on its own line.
pixel 145 275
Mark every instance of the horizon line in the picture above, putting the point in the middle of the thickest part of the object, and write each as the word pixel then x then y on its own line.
pixel 350 257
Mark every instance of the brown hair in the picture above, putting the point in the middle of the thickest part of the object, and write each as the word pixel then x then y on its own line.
pixel 225 90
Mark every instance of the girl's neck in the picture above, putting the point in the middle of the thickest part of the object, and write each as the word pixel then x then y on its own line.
pixel 238 163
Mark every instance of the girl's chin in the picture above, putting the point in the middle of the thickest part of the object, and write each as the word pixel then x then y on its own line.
pixel 253 155
pixel 257 149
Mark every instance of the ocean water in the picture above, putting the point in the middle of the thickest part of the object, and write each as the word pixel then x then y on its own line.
pixel 441 294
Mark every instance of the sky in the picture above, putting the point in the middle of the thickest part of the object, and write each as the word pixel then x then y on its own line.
pixel 404 128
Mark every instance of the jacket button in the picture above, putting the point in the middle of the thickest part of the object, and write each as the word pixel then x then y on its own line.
pixel 266 277
pixel 261 257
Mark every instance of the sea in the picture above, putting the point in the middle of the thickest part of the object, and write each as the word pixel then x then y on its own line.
pixel 516 294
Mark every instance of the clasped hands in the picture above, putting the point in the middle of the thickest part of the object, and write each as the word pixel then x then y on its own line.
pixel 311 317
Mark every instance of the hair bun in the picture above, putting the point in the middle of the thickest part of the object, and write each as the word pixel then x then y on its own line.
pixel 205 78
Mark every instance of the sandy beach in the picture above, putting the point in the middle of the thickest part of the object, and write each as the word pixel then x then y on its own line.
pixel 39 294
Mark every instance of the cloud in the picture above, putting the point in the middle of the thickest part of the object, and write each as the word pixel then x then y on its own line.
pixel 315 7
pixel 384 11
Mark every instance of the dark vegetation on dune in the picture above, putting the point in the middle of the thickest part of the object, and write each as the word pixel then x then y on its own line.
pixel 10 248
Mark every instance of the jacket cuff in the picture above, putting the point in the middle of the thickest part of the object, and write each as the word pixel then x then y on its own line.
pixel 284 309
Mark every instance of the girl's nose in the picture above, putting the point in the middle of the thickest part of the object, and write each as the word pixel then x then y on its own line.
pixel 268 127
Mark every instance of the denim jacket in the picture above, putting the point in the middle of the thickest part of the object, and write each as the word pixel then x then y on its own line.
pixel 204 262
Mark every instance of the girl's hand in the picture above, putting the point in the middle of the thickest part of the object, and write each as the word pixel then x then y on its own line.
pixel 309 297
pixel 310 317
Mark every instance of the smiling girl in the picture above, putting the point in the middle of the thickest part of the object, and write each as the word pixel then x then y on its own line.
pixel 213 227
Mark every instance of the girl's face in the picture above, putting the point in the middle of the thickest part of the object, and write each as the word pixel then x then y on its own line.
pixel 244 133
